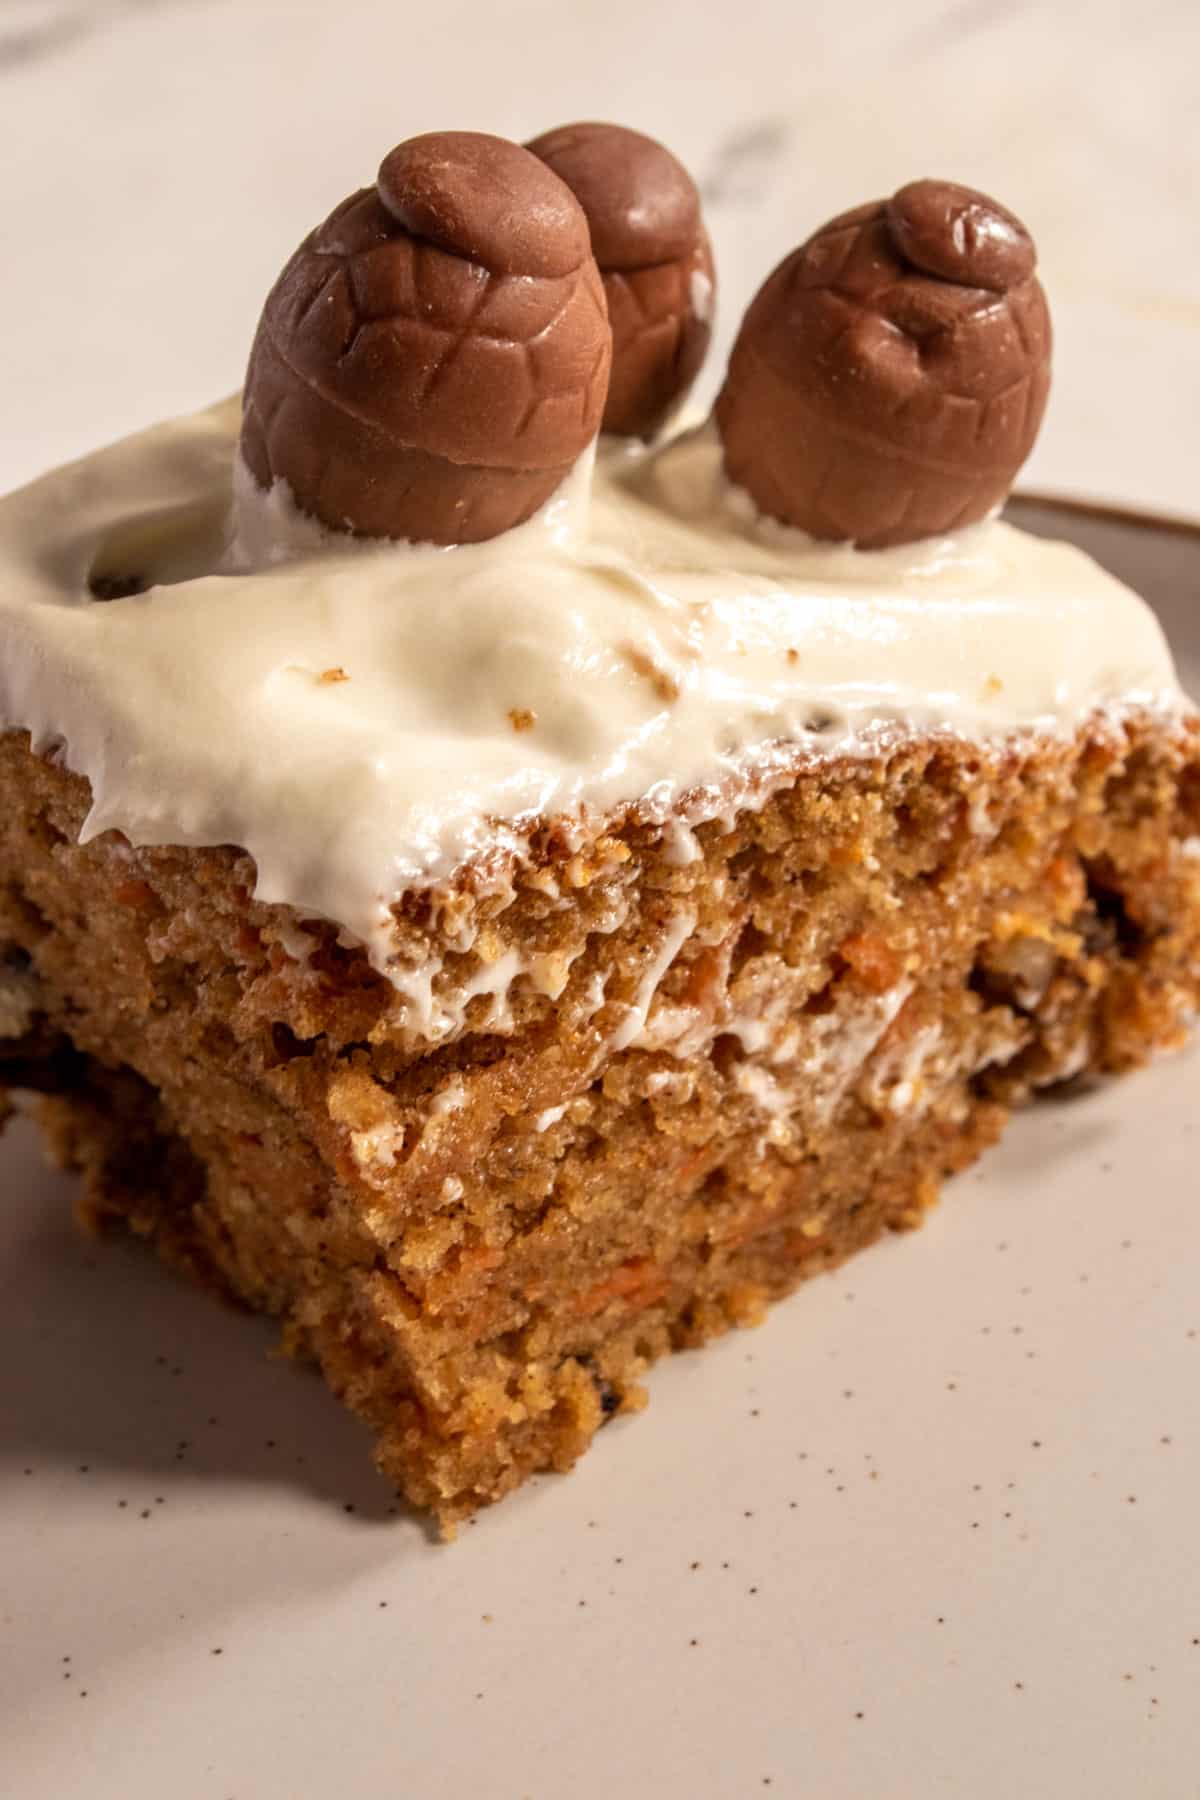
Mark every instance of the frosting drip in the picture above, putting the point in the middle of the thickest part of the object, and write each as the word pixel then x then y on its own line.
pixel 363 717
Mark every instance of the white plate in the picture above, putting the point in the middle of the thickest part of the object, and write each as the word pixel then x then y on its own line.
pixel 932 1530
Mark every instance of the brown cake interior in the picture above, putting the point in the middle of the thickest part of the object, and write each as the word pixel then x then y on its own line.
pixel 712 1077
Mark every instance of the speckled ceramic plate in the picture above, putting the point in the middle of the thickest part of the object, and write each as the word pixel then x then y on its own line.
pixel 931 1530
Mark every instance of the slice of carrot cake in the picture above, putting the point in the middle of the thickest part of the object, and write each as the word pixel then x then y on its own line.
pixel 510 890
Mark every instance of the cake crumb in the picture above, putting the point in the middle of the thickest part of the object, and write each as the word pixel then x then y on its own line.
pixel 698 1163
pixel 642 663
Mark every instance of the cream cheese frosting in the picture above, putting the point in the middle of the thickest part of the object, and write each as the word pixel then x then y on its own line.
pixel 364 717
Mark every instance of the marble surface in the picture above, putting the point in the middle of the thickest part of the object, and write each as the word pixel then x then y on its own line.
pixel 161 157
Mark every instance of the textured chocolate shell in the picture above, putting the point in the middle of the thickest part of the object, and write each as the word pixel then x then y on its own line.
pixel 890 377
pixel 648 238
pixel 435 356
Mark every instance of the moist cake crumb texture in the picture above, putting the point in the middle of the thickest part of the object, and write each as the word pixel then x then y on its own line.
pixel 718 1077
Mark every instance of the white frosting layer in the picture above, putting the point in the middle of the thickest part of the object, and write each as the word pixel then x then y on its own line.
pixel 365 717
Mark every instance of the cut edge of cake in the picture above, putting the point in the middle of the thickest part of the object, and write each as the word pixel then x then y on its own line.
pixel 723 1065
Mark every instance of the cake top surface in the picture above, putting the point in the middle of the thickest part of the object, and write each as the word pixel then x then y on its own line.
pixel 365 716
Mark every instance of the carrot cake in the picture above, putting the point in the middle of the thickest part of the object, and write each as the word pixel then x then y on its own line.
pixel 509 886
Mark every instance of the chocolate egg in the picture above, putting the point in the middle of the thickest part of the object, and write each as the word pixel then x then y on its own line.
pixel 890 377
pixel 435 356
pixel 648 237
